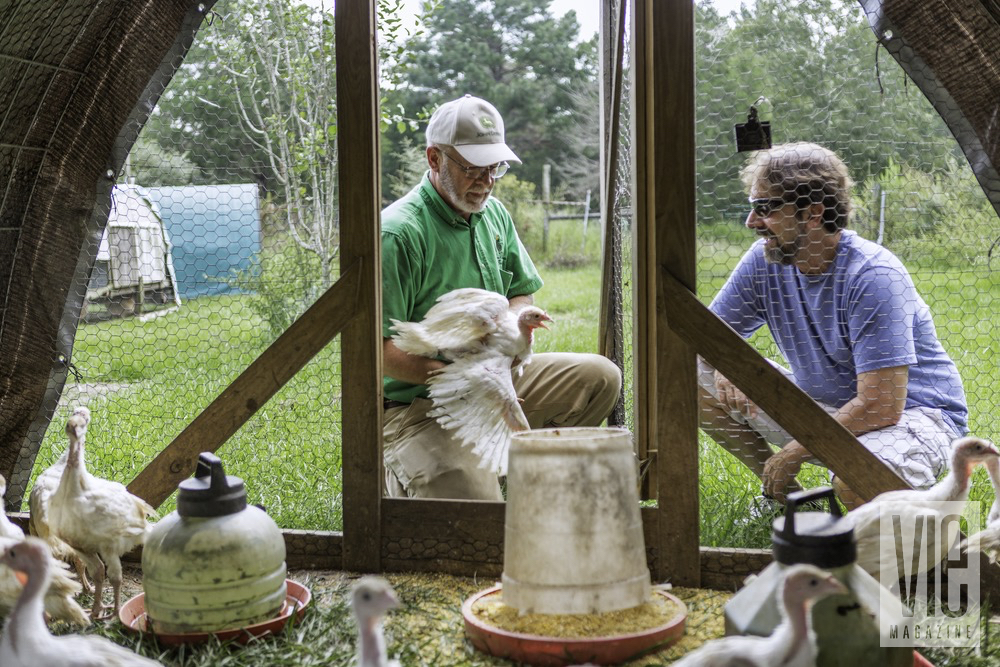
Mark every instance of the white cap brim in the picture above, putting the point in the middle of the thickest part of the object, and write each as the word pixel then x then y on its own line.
pixel 483 155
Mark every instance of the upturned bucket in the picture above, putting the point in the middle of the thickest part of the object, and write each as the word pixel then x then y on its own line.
pixel 573 539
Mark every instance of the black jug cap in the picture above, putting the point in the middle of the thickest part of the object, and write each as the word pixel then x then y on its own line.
pixel 211 492
pixel 823 539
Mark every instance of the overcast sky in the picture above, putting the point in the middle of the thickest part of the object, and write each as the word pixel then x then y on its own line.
pixel 587 10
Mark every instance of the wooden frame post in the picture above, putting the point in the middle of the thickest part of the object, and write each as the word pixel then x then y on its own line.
pixel 669 173
pixel 361 340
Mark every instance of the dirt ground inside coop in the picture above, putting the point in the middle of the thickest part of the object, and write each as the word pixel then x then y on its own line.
pixel 428 628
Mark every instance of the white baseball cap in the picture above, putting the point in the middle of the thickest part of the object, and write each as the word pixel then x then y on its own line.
pixel 474 127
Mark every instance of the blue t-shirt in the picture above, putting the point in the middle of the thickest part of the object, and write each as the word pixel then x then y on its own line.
pixel 861 315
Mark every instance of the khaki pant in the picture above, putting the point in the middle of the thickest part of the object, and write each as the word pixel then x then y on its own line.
pixel 422 460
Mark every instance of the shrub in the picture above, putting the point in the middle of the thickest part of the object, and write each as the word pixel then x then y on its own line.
pixel 285 280
pixel 931 219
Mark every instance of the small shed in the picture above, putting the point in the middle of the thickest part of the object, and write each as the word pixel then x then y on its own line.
pixel 134 262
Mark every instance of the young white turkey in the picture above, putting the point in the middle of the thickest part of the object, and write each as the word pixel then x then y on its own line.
pixel 917 509
pixel 371 598
pixel 26 641
pixel 97 517
pixel 792 644
pixel 474 395
pixel 469 321
pixel 59 602
pixel 38 504
pixel 987 540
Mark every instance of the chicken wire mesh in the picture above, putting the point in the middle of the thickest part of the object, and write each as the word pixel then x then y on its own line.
pixel 238 242
pixel 223 229
pixel 815 73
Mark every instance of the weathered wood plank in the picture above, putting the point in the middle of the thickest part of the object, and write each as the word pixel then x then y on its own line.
pixel 670 106
pixel 247 393
pixel 643 279
pixel 778 396
pixel 361 342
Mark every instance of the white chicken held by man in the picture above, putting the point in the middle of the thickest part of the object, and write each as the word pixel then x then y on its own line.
pixel 97 517
pixel 474 395
pixel 371 598
pixel 26 641
pixel 792 644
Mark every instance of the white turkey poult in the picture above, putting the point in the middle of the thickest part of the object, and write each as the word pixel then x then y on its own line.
pixel 26 641
pixel 97 517
pixel 916 510
pixel 987 540
pixel 474 395
pixel 59 602
pixel 38 504
pixel 371 598
pixel 792 644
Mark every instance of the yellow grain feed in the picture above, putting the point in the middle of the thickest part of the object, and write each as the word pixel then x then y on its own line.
pixel 657 611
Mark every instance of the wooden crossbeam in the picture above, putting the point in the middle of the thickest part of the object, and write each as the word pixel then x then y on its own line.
pixel 251 390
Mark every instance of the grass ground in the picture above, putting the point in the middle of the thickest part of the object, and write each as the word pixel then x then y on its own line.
pixel 426 631
pixel 145 381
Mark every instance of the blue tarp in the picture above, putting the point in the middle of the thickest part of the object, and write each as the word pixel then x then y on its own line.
pixel 214 230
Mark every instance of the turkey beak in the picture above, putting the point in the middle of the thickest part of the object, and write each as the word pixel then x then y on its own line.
pixel 543 320
pixel 836 586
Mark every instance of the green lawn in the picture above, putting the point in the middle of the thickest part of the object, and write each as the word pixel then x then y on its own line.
pixel 148 380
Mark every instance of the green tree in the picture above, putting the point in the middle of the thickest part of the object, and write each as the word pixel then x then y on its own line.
pixel 816 66
pixel 512 53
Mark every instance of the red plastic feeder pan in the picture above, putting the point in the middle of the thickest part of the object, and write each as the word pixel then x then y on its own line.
pixel 560 651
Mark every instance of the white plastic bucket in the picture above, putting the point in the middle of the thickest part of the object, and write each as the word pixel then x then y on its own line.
pixel 573 539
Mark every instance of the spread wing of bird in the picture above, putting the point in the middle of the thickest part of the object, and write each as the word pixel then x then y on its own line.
pixel 456 325
pixel 475 398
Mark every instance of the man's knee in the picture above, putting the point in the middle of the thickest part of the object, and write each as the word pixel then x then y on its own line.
pixel 607 376
pixel 450 482
pixel 605 380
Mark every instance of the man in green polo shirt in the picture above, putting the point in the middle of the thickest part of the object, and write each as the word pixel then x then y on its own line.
pixel 447 233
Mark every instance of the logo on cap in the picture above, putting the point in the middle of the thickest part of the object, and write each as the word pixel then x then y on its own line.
pixel 487 122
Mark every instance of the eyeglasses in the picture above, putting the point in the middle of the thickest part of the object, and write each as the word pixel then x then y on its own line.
pixel 766 205
pixel 495 171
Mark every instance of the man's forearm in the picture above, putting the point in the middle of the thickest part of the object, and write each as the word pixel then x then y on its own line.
pixel 521 301
pixel 860 416
pixel 407 367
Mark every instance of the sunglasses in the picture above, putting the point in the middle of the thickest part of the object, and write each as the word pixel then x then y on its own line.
pixel 475 173
pixel 765 206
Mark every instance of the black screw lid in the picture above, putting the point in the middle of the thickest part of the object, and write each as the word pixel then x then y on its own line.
pixel 211 492
pixel 817 538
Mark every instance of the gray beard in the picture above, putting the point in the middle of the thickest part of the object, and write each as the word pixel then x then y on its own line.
pixel 451 189
pixel 781 254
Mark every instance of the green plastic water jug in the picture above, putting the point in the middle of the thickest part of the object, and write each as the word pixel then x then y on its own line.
pixel 215 563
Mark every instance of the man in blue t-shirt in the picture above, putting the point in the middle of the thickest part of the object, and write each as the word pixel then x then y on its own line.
pixel 847 318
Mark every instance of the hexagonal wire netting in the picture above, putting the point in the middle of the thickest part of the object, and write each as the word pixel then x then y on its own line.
pixel 223 230
pixel 812 70
pixel 215 227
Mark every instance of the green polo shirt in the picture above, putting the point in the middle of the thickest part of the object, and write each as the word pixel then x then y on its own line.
pixel 428 249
